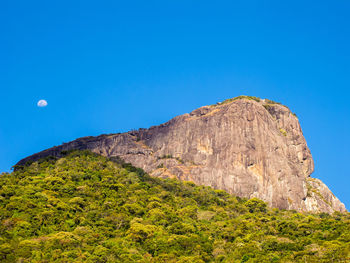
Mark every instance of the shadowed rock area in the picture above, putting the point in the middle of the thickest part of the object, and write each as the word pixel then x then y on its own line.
pixel 246 146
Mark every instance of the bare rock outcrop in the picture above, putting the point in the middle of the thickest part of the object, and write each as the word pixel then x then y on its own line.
pixel 246 146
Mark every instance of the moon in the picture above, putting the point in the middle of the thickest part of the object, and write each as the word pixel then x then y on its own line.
pixel 42 103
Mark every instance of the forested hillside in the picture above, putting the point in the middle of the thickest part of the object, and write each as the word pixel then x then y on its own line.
pixel 87 208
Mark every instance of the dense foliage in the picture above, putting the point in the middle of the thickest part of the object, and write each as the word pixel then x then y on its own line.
pixel 86 208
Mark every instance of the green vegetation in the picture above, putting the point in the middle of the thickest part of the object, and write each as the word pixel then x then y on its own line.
pixel 238 98
pixel 271 102
pixel 247 97
pixel 86 208
pixel 169 156
pixel 283 131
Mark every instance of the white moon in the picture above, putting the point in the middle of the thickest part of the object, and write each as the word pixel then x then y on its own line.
pixel 42 103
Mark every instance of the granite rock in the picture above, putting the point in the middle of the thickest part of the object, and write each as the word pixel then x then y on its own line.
pixel 247 147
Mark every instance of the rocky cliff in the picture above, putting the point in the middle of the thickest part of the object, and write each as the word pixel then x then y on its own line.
pixel 246 146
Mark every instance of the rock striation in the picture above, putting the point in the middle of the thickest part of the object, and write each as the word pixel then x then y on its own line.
pixel 245 146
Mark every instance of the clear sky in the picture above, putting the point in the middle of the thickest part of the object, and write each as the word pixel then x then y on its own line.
pixel 112 66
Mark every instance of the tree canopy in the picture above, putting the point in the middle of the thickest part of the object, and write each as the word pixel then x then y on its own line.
pixel 86 208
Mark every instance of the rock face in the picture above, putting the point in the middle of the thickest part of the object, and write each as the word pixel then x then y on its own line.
pixel 246 146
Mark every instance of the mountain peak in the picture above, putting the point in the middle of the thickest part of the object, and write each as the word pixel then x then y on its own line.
pixel 246 146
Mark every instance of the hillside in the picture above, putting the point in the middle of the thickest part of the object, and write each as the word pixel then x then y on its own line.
pixel 247 146
pixel 84 207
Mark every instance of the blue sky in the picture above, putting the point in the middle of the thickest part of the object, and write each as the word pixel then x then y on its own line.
pixel 112 66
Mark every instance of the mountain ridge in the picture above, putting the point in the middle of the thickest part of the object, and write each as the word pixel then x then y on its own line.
pixel 246 146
